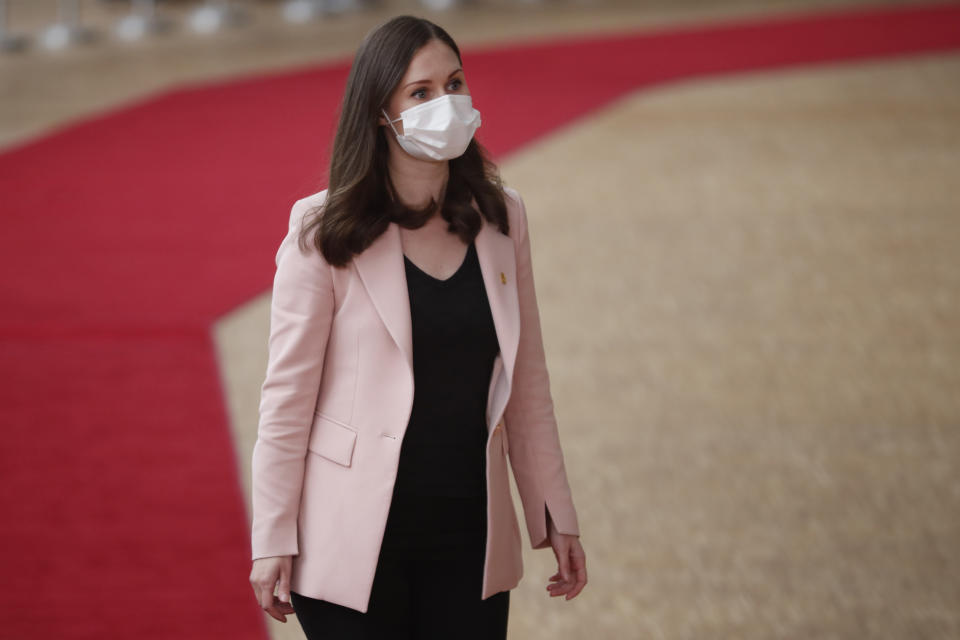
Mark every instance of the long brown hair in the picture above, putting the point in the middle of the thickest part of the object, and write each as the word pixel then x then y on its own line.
pixel 361 201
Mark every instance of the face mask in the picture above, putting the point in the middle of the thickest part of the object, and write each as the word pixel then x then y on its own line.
pixel 440 129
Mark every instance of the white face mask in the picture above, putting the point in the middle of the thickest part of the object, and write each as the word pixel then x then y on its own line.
pixel 440 129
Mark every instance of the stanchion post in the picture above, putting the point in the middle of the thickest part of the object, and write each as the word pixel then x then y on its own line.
pixel 67 30
pixel 9 41
pixel 142 21
pixel 301 10
pixel 214 15
pixel 440 5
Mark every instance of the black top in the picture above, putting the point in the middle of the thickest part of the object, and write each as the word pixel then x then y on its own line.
pixel 442 470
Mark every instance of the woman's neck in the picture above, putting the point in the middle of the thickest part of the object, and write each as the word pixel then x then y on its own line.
pixel 416 181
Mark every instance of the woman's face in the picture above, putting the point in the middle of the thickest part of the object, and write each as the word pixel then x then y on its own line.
pixel 434 71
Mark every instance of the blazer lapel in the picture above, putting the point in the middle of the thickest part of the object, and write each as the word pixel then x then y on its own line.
pixel 498 263
pixel 382 271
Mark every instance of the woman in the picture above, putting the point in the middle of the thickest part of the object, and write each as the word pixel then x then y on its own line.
pixel 405 362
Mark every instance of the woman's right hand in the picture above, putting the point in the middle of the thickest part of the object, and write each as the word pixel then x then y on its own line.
pixel 266 574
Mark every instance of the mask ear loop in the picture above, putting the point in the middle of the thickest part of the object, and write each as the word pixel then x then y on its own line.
pixel 390 122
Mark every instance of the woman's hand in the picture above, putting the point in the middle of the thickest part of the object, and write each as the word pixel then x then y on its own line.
pixel 571 576
pixel 266 574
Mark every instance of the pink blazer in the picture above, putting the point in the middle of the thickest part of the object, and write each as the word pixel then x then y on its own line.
pixel 338 394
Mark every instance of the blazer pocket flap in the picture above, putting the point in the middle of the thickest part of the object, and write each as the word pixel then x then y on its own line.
pixel 332 440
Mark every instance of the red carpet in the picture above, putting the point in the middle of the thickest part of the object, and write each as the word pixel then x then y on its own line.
pixel 127 235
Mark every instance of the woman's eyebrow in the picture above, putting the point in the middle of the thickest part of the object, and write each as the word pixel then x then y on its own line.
pixel 452 73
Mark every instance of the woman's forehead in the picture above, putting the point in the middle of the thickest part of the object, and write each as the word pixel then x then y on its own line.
pixel 433 60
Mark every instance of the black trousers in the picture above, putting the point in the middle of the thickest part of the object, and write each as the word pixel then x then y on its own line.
pixel 427 583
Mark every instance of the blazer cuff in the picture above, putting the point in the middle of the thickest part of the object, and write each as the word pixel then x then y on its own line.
pixel 564 518
pixel 274 540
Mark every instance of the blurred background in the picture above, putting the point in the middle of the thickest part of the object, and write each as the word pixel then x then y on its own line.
pixel 745 221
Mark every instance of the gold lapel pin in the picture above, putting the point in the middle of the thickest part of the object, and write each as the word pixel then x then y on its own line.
pixel 503 278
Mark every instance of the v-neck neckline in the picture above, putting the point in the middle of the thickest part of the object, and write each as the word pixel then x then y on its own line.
pixel 454 276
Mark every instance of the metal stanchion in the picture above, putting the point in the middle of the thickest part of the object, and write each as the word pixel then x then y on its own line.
pixel 302 10
pixel 341 6
pixel 306 10
pixel 9 41
pixel 142 21
pixel 440 5
pixel 67 30
pixel 215 15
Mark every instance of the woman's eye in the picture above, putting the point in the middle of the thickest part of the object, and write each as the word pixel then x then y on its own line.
pixel 419 93
pixel 456 84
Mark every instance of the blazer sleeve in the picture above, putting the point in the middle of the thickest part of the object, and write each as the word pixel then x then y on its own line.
pixel 531 426
pixel 301 313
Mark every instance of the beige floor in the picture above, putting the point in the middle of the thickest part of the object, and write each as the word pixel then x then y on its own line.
pixel 751 310
pixel 759 391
